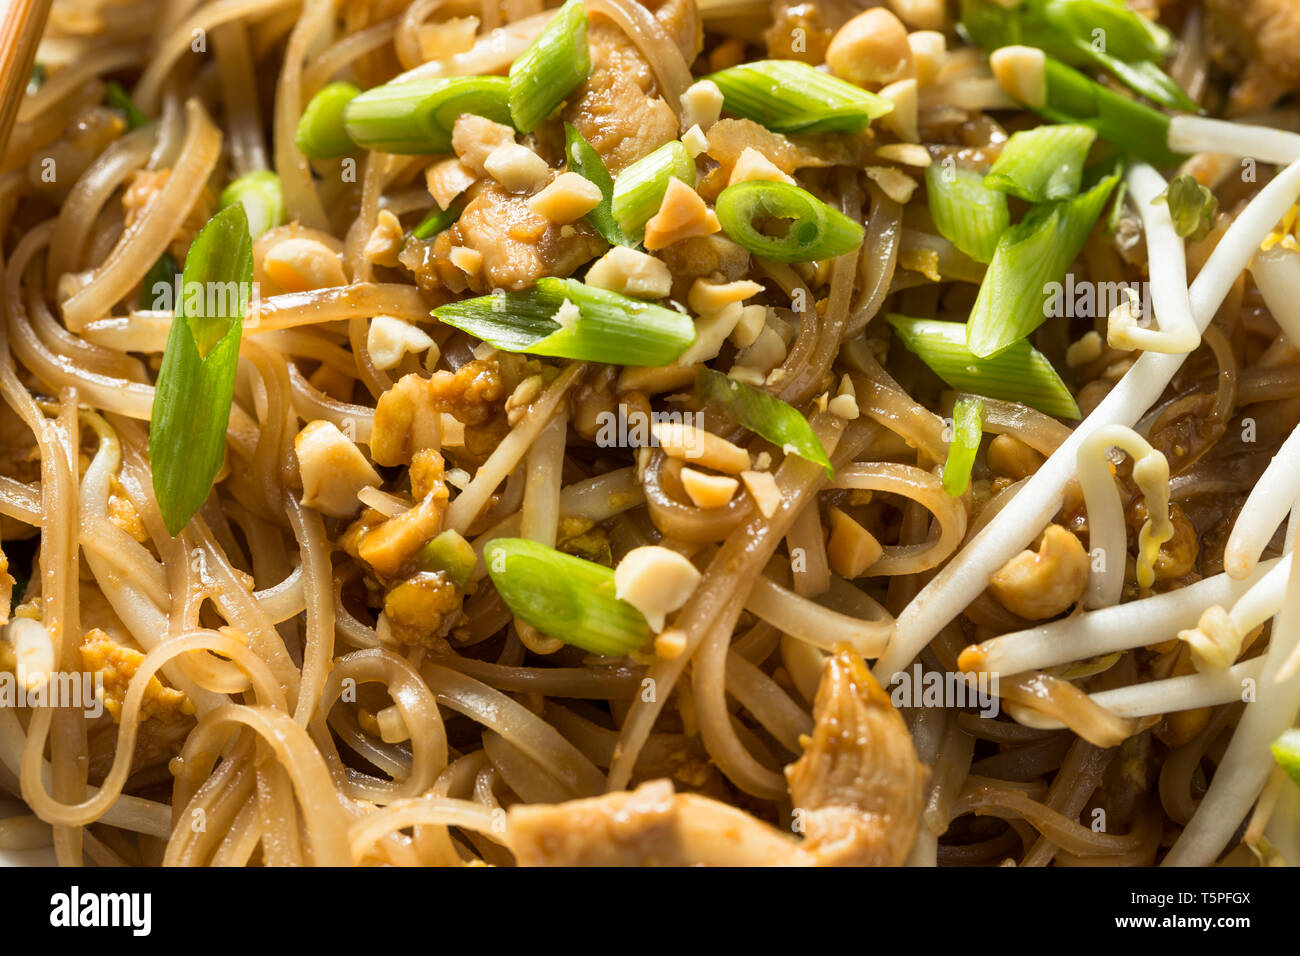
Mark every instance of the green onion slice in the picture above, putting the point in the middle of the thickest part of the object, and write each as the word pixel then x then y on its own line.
pixel 451 554
pixel 1131 47
pixel 321 132
pixel 1130 125
pixel 967 429
pixel 435 222
pixel 965 211
pixel 1032 254
pixel 260 194
pixel 37 79
pixel 610 328
pixel 564 596
pixel 764 414
pixel 551 68
pixel 586 162
pixel 1286 751
pixel 1043 164
pixel 1017 374
pixel 1191 206
pixel 417 116
pixel 162 272
pixel 119 99
pixel 789 96
pixel 639 189
pixel 196 382
pixel 815 230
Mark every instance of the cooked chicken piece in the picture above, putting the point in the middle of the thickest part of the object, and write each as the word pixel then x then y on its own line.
pixel 518 246
pixel 803 30
pixel 1260 41
pixel 619 109
pixel 858 790
pixel 858 781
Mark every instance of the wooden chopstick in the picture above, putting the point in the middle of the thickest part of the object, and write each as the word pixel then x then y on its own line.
pixel 21 24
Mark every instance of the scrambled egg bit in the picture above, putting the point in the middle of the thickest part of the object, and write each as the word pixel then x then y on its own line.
pixel 118 664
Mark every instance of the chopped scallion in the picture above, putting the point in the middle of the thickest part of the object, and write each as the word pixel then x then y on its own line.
pixel 435 222
pixel 551 68
pixel 1031 255
pixel 119 99
pixel 1017 374
pixel 1042 164
pixel 639 189
pixel 321 131
pixel 764 414
pixel 587 163
pixel 451 554
pixel 1286 751
pixel 965 211
pixel 161 273
pixel 260 194
pixel 196 382
pixel 814 230
pixel 967 429
pixel 565 318
pixel 789 96
pixel 37 79
pixel 565 597
pixel 417 116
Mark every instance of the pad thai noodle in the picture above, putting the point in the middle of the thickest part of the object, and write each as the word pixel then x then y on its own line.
pixel 652 432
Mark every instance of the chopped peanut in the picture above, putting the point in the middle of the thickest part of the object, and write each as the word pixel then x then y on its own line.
pixel 447 179
pixel 921 14
pixel 568 197
pixel 1045 583
pixel 385 242
pixel 1011 457
pixel 708 491
pixel 929 50
pixel 630 272
pixel 695 141
pixel 516 167
pixel 764 353
pixel 474 138
pixel 701 105
pixel 762 488
pixel 656 581
pixel 681 215
pixel 852 549
pixel 688 443
pixel 333 470
pixel 710 332
pixel 902 120
pixel 467 260
pixel 871 48
pixel 300 265
pixel 753 319
pixel 909 154
pixel 1021 72
pixel 897 185
pixel 388 340
pixel 656 379
pixel 708 297
pixel 670 643
pixel 754 165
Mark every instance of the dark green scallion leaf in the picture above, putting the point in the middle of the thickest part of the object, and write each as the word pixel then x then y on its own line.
pixel 118 98
pixel 586 162
pixel 435 222
pixel 765 415
pixel 158 281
